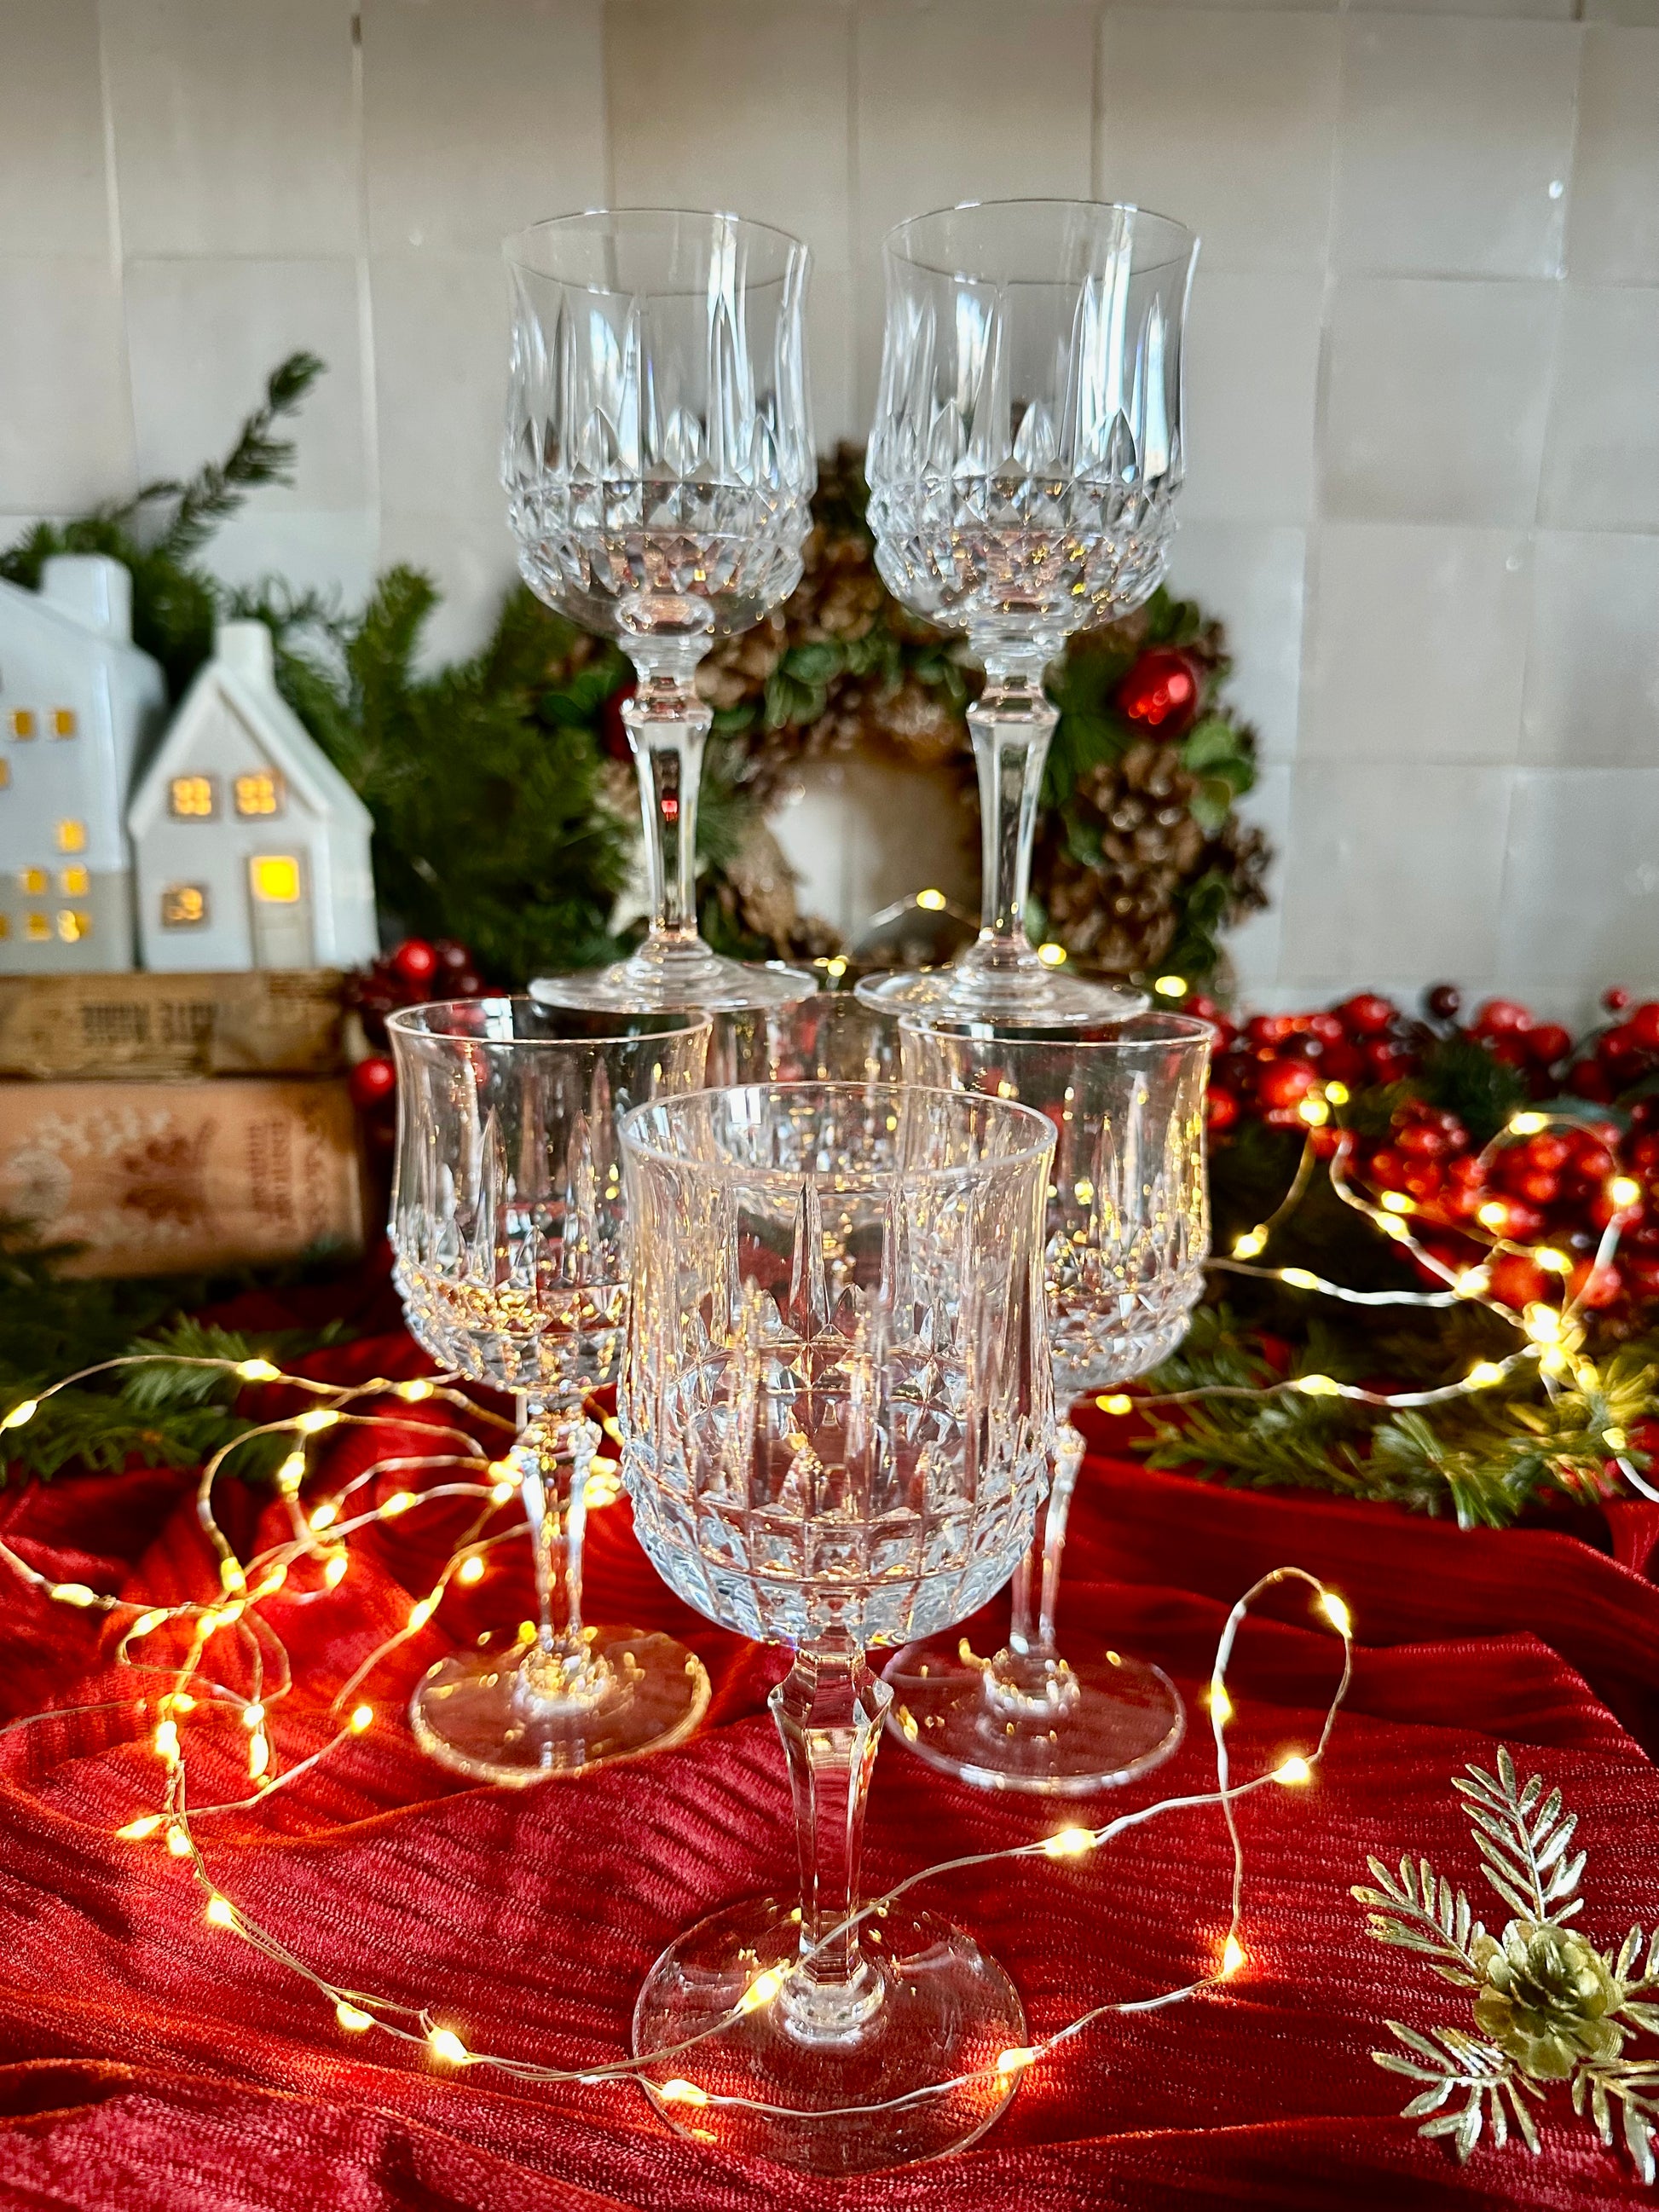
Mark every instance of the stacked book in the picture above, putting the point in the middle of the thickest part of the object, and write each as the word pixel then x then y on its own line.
pixel 175 1123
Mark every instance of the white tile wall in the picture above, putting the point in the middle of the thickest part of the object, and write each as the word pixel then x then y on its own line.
pixel 1424 380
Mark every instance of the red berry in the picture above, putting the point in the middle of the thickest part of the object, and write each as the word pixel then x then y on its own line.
pixel 1499 1015
pixel 1516 1282
pixel 371 1083
pixel 1589 1080
pixel 1615 1001
pixel 1641 1271
pixel 1366 1014
pixel 1444 1002
pixel 1221 1109
pixel 1595 1286
pixel 1546 1150
pixel 415 960
pixel 1423 1140
pixel 1285 1082
pixel 1549 1042
pixel 1645 1022
pixel 1386 1064
pixel 1342 1063
pixel 1537 1187
pixel 451 954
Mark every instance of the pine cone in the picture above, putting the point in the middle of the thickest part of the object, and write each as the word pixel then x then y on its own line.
pixel 1119 914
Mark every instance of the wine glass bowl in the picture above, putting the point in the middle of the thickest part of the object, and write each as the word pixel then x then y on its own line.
pixel 835 1412
pixel 508 1228
pixel 660 469
pixel 1025 458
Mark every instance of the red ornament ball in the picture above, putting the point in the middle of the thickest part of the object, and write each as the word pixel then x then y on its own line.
pixel 415 960
pixel 1162 691
pixel 372 1082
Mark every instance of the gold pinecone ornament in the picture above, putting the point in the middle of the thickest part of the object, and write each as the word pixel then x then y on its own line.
pixel 1545 1999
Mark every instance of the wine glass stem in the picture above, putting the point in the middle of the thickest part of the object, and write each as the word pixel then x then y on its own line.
pixel 1028 1680
pixel 1011 725
pixel 667 726
pixel 828 1710
pixel 561 1661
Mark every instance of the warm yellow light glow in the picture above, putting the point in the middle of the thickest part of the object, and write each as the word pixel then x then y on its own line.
pixel 258 1371
pixel 1170 987
pixel 136 1831
pixel 71 836
pixel 1115 1402
pixel 1492 1215
pixel 167 1739
pixel 1484 1372
pixel 1338 1092
pixel 1395 1202
pixel 253 1715
pixel 259 793
pixel 835 969
pixel 24 1410
pixel 1069 1843
pixel 1336 1612
pixel 1472 1283
pixel 1391 1225
pixel 184 906
pixel 1252 1241
pixel 191 797
pixel 1542 1324
pixel 501 1492
pixel 335 1573
pixel 178 1843
pixel 1232 1956
pixel 1313 1111
pixel 325 1516
pixel 362 1717
pixel 74 1593
pixel 220 1912
pixel 1016 2058
pixel 399 1502
pixel 352 2019
pixel 1221 1705
pixel 1052 955
pixel 1615 1440
pixel 1551 1261
pixel 291 1473
pixel 421 1611
pixel 1298 1279
pixel 275 877
pixel 470 1569
pixel 1527 1125
pixel 1293 1769
pixel 412 1393
pixel 275 1575
pixel 761 1991
pixel 931 902
pixel 1624 1190
pixel 320 1417
pixel 180 1702
pixel 1317 1386
pixel 443 2043
pixel 73 883
pixel 259 1754
pixel 674 2091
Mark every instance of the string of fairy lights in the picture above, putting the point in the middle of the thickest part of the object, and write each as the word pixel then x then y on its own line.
pixel 186 1694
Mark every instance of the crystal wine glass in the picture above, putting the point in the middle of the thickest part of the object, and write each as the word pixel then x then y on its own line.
pixel 508 1224
pixel 1128 1235
pixel 837 1410
pixel 1025 460
pixel 658 465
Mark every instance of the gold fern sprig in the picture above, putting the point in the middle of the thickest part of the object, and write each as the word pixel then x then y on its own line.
pixel 1419 1914
pixel 1523 1856
pixel 1485 2074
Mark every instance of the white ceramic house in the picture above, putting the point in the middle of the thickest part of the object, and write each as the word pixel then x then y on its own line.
pixel 250 849
pixel 77 702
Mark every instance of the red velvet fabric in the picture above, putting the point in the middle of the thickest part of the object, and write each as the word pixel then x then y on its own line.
pixel 150 2063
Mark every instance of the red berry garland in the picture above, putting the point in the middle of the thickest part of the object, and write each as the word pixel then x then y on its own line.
pixel 1163 691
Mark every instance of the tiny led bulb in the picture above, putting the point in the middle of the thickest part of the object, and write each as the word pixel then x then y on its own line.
pixel 136 1831
pixel 320 1417
pixel 258 1370
pixel 1232 1955
pixel 1493 1215
pixel 253 1715
pixel 74 1593
pixel 1336 1612
pixel 1484 1373
pixel 259 1754
pixel 1615 1440
pixel 501 1492
pixel 443 2043
pixel 1624 1190
pixel 1293 1769
pixel 470 1569
pixel 1069 1843
pixel 178 1843
pixel 1015 2060
pixel 1542 1324
pixel 325 1516
pixel 1115 1402
pixel 421 1611
pixel 335 1573
pixel 399 1502
pixel 353 2021
pixel 1252 1241
pixel 1337 1092
pixel 412 1393
pixel 1527 1125
pixel 24 1410
pixel 145 1623
pixel 1221 1705
pixel 292 1473
pixel 1317 1386
pixel 1298 1279
pixel 674 2091
pixel 761 1991
pixel 362 1717
pixel 1556 1263
pixel 167 1739
pixel 220 1912
pixel 1395 1202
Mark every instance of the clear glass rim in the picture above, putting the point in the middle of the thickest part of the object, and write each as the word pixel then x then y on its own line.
pixel 1174 1032
pixel 900 243
pixel 438 1022
pixel 517 248
pixel 855 1095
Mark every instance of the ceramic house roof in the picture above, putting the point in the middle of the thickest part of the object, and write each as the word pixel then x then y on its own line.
pixel 273 723
pixel 66 606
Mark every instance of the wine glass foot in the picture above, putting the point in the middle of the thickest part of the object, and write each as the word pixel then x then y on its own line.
pixel 645 984
pixel 946 2009
pixel 1119 1718
pixel 477 1713
pixel 960 993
